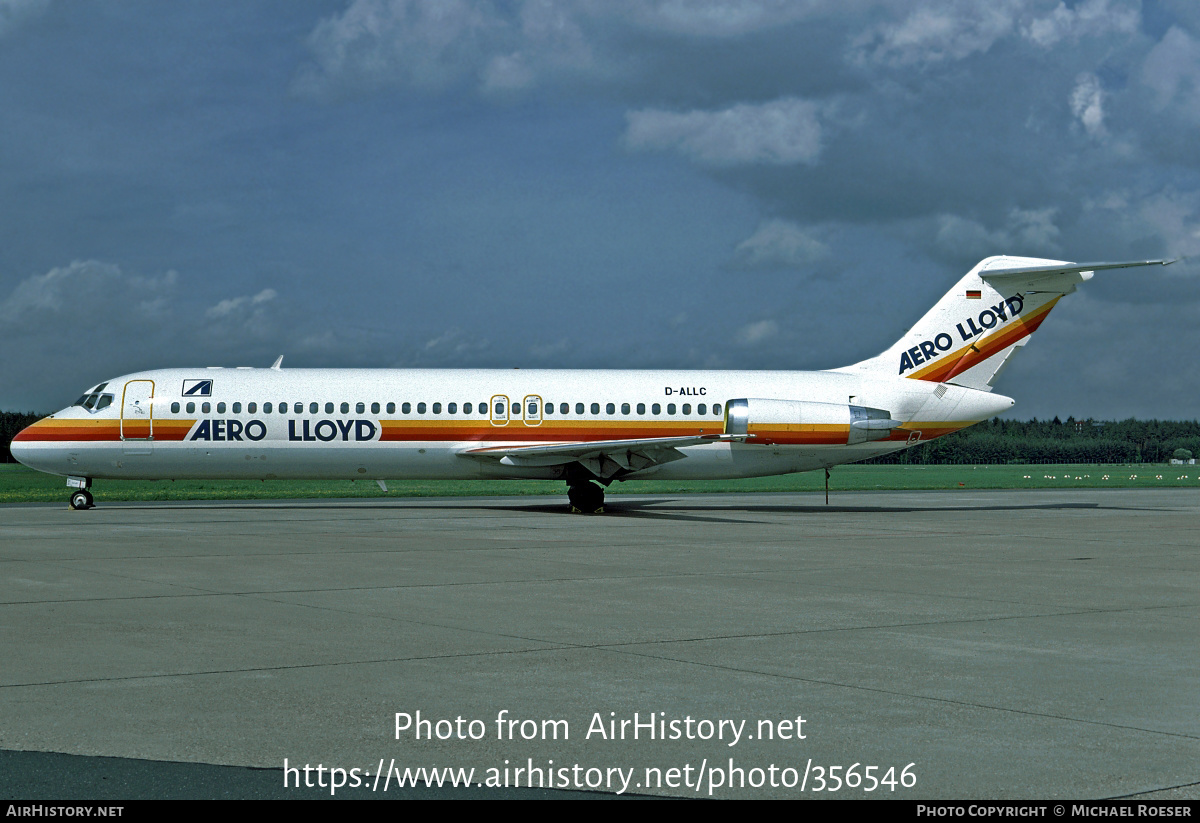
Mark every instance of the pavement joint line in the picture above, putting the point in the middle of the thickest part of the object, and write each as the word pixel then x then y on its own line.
pixel 291 667
pixel 911 695
pixel 196 591
pixel 1153 791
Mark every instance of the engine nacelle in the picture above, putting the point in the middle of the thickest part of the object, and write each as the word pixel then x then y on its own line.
pixel 798 422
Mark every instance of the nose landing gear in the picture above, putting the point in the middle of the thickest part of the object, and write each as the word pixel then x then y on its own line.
pixel 80 498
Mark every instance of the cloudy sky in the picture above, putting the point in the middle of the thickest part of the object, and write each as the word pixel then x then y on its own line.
pixel 597 183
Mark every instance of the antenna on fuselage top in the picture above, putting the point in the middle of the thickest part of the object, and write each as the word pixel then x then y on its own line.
pixel 277 363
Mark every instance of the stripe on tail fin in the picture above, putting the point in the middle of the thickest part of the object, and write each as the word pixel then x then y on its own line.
pixel 971 334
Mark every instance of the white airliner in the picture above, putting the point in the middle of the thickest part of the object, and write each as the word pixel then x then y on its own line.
pixel 585 427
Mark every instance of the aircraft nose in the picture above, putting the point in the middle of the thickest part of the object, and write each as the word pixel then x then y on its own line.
pixel 24 446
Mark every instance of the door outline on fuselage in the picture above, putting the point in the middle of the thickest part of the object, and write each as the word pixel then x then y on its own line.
pixel 137 407
pixel 498 411
pixel 536 418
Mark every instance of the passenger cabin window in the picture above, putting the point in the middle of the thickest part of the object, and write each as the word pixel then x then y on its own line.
pixel 466 408
pixel 298 408
pixel 374 408
pixel 624 408
pixel 716 408
pixel 313 408
pixel 564 408
pixel 500 410
pixel 175 408
pixel 437 408
pixel 670 408
pixel 237 408
pixel 391 408
pixel 406 408
pixel 452 408
pixel 656 408
pixel 345 407
pixel 266 408
pixel 206 408
pixel 687 408
pixel 252 408
pixel 329 408
pixel 595 408
pixel 191 408
pixel 702 409
pixel 220 408
pixel 360 408
pixel 420 408
pixel 641 408
pixel 579 408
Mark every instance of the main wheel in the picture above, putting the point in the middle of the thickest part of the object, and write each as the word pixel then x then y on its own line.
pixel 586 498
pixel 81 499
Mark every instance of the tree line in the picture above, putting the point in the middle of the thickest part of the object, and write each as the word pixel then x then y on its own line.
pixel 10 424
pixel 990 442
pixel 1055 441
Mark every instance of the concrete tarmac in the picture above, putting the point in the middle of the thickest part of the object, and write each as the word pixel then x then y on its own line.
pixel 959 645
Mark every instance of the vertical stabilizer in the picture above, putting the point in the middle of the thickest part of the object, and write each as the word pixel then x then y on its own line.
pixel 974 330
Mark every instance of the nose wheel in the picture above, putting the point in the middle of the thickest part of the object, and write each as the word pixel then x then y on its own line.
pixel 81 499
pixel 586 498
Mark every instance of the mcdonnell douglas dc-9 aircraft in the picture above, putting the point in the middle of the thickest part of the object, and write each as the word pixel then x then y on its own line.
pixel 588 428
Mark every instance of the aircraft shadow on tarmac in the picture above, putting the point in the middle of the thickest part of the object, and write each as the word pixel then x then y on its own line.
pixel 659 508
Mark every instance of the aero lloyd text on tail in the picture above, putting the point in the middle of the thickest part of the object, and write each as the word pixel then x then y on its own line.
pixel 585 427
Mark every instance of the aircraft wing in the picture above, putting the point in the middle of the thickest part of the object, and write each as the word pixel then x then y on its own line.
pixel 604 458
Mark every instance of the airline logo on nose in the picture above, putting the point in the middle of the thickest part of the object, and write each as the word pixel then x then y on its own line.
pixel 197 388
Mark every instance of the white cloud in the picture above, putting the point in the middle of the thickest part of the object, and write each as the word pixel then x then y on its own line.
pixel 1172 72
pixel 234 306
pixel 932 32
pixel 779 243
pixel 1026 231
pixel 15 12
pixel 501 46
pixel 780 132
pixel 937 31
pixel 754 333
pixel 716 18
pixel 1087 104
pixel 85 293
pixel 434 44
pixel 1093 18
pixel 1175 217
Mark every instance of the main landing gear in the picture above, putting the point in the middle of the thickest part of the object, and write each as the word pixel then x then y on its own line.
pixel 586 497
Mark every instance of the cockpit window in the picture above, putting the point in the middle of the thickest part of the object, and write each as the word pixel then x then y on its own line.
pixel 95 401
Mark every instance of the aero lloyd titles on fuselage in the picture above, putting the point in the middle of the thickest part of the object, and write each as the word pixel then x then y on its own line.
pixel 301 431
pixel 972 327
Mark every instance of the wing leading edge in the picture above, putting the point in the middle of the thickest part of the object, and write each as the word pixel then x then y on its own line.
pixel 603 458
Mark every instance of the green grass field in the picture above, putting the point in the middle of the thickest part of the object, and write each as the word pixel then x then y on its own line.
pixel 21 485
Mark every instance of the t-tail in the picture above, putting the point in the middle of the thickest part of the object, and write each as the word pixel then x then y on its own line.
pixel 972 333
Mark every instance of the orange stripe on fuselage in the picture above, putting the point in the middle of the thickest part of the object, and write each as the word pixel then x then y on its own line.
pixel 481 431
pixel 99 431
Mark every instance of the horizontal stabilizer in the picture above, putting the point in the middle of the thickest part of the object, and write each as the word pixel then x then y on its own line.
pixel 1030 277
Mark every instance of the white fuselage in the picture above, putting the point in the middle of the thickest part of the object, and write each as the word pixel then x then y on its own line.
pixel 395 424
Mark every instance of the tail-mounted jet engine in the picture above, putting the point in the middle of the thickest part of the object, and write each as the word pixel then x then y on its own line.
pixel 797 422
